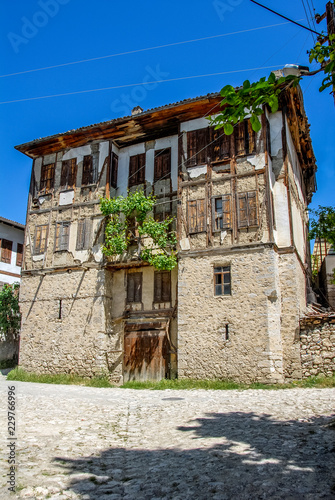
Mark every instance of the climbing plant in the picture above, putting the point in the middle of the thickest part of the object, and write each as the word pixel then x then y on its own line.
pixel 10 316
pixel 250 99
pixel 155 240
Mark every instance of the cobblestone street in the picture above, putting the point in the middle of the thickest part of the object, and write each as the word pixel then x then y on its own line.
pixel 86 443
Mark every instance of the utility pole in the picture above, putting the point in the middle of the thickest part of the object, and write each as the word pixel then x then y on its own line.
pixel 330 15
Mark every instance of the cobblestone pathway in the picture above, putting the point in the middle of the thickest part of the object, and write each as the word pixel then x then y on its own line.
pixel 87 443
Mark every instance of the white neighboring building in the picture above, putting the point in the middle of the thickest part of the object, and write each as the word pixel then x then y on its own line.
pixel 11 251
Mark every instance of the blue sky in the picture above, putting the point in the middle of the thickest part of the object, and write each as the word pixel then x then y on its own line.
pixel 44 33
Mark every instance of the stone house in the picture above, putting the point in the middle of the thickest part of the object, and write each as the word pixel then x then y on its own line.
pixel 231 307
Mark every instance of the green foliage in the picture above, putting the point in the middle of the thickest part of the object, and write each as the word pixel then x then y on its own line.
pixel 322 224
pixel 156 242
pixel 249 100
pixel 10 316
pixel 325 55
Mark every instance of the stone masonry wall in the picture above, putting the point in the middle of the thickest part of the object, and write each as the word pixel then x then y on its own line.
pixel 317 346
pixel 253 349
pixel 67 336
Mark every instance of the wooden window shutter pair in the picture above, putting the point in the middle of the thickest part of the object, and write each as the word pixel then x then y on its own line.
pixel 247 210
pixel 245 138
pixel 69 173
pixel 162 168
pixel 196 211
pixel 19 254
pixel 6 251
pixel 87 177
pixel 83 234
pixel 47 177
pixel 136 170
pixel 41 233
pixel 162 286
pixel 134 287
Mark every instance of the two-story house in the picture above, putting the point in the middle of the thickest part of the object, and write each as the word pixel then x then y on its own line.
pixel 231 307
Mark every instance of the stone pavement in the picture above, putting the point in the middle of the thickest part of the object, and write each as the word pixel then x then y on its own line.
pixel 86 443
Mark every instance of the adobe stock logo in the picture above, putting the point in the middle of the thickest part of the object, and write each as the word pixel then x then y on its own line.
pixel 30 27
pixel 138 93
pixel 223 7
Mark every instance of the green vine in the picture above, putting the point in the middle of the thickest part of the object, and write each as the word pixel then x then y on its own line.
pixel 325 55
pixel 10 316
pixel 156 242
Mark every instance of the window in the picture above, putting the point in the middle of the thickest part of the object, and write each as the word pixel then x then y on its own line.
pixel 134 287
pixel 41 233
pixel 222 281
pixel 136 170
pixel 162 164
pixel 6 251
pixel 244 138
pixel 69 173
pixel 162 286
pixel 47 177
pixel 247 212
pixel 87 177
pixel 197 141
pixel 220 148
pixel 222 212
pixel 19 254
pixel 196 212
pixel 62 236
pixel 114 169
pixel 83 234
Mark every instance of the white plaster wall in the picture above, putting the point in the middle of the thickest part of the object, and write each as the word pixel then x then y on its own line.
pixel 276 125
pixel 282 233
pixel 82 151
pixel 298 231
pixel 194 124
pixel 15 235
pixel 295 165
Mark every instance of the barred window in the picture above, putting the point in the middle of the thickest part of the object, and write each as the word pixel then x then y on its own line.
pixel 222 281
pixel 62 236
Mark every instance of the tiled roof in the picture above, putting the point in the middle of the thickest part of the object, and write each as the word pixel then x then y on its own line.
pixel 12 223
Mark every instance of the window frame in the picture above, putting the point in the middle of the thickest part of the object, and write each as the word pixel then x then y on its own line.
pixel 41 249
pixel 62 239
pixel 227 225
pixel 225 270
pixel 250 222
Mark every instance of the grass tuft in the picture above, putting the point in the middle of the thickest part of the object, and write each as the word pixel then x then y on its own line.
pixel 21 375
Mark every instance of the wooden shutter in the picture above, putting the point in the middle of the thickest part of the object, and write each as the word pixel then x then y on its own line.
pixel 133 162
pixel 162 164
pixel 141 169
pixel 87 177
pixel 72 173
pixel 239 136
pixel 19 254
pixel 202 141
pixel 191 148
pixel 197 147
pixel 6 251
pixel 134 287
pixel 40 239
pixel 226 211
pixel 242 210
pixel 83 234
pixel 252 208
pixel 251 139
pixel 47 177
pixel 220 147
pixel 114 170
pixel 162 286
pixel 196 210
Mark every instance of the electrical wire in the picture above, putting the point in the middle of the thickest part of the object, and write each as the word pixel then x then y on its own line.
pixel 141 83
pixel 308 21
pixel 144 50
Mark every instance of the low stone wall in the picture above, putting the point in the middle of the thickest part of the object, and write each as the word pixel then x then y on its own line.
pixel 317 345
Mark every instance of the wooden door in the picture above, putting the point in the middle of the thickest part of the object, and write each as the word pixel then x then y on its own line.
pixel 145 354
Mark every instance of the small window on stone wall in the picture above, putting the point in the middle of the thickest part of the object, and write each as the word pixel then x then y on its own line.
pixel 134 287
pixel 222 281
pixel 62 236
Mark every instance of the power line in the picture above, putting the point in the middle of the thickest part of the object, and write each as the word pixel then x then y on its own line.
pixel 141 83
pixel 309 24
pixel 284 17
pixel 142 50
